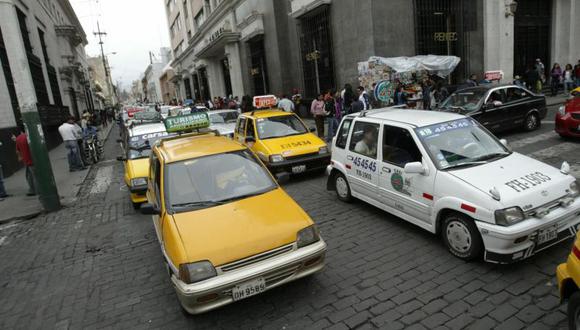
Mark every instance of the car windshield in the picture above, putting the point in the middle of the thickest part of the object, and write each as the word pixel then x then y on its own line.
pixel 279 126
pixel 140 145
pixel 460 143
pixel 215 180
pixel 464 100
pixel 223 117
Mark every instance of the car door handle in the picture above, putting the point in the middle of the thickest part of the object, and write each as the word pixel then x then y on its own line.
pixel 386 170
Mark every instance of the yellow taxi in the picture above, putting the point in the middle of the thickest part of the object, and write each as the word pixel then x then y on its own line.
pixel 282 141
pixel 136 150
pixel 568 275
pixel 226 228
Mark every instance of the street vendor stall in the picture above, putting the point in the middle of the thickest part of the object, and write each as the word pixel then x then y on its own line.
pixel 393 77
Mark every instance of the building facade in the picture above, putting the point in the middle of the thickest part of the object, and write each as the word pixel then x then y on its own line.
pixel 103 89
pixel 45 39
pixel 240 47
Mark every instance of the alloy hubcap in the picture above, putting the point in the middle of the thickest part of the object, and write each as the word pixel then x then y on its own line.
pixel 532 121
pixel 458 236
pixel 341 187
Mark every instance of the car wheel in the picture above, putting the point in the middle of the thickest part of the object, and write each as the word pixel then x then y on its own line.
pixel 532 122
pixel 136 206
pixel 574 311
pixel 342 188
pixel 462 237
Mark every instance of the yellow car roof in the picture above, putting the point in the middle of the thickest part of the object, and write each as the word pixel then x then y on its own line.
pixel 266 113
pixel 194 146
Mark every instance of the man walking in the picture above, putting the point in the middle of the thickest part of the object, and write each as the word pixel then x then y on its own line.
pixel 285 104
pixel 24 155
pixel 70 133
pixel 364 98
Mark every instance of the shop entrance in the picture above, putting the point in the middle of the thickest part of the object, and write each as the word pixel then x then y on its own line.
pixel 196 90
pixel 205 93
pixel 532 34
pixel 227 78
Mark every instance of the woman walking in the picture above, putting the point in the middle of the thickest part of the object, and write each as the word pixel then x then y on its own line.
pixel 317 110
pixel 556 78
pixel 568 78
pixel 330 110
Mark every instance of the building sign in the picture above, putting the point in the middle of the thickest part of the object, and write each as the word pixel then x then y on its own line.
pixel 493 75
pixel 384 91
pixel 265 101
pixel 445 36
pixel 313 56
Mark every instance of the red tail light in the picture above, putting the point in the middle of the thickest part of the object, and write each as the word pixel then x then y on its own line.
pixel 576 251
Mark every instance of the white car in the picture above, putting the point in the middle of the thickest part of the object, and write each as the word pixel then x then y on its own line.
pixel 224 121
pixel 447 174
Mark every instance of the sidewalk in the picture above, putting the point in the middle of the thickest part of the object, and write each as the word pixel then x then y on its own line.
pixel 20 206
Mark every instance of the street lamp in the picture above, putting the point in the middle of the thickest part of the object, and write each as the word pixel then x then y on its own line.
pixel 511 8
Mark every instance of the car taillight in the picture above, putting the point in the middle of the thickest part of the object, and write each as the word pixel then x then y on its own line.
pixel 576 251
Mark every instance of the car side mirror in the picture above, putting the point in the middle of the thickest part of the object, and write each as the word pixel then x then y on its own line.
pixel 282 177
pixel 312 129
pixel 121 158
pixel 250 139
pixel 414 168
pixel 150 209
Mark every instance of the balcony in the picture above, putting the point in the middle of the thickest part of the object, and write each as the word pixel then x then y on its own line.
pixel 301 7
pixel 69 32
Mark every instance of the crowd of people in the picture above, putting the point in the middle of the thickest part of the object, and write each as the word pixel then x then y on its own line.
pixel 535 77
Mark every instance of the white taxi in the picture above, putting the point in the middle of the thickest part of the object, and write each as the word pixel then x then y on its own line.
pixel 447 174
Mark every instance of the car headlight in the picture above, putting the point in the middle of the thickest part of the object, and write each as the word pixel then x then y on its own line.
pixel 276 158
pixel 574 189
pixel 196 271
pixel 138 182
pixel 307 236
pixel 509 216
pixel 323 150
pixel 562 110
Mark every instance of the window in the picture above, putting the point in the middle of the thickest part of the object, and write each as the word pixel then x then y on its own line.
pixel 399 148
pixel 342 135
pixel 242 126
pixel 497 95
pixel 280 126
pixel 515 94
pixel 186 12
pixel 199 19
pixel 250 131
pixel 364 139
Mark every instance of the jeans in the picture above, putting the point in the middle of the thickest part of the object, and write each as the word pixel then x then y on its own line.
pixel 319 121
pixel 2 189
pixel 332 127
pixel 74 155
pixel 30 180
pixel 569 86
pixel 554 86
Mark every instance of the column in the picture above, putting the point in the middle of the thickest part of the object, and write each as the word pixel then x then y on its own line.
pixel 565 38
pixel 498 38
pixel 235 61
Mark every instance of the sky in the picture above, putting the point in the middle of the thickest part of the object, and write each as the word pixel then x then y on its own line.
pixel 133 27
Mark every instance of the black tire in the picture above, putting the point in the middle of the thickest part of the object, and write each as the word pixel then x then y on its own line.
pixel 461 237
pixel 532 122
pixel 342 188
pixel 136 206
pixel 574 311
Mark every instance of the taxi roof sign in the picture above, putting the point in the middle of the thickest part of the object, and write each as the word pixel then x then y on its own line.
pixel 265 101
pixel 187 122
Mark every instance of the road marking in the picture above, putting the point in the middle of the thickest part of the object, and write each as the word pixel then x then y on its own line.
pixel 7 226
pixel 556 152
pixel 532 139
pixel 102 180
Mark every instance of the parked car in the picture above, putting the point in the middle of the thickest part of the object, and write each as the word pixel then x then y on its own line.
pixel 568 116
pixel 224 121
pixel 226 228
pixel 568 275
pixel 447 174
pixel 498 108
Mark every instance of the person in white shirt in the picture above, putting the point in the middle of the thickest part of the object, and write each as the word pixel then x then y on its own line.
pixel 368 145
pixel 70 133
pixel 285 104
pixel 364 98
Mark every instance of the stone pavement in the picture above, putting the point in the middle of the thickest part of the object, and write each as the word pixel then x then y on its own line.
pixel 97 264
pixel 20 206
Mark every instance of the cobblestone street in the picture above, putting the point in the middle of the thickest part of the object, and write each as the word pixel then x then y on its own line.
pixel 97 264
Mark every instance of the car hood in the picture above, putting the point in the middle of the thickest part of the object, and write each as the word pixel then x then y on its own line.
pixel 240 229
pixel 294 145
pixel 138 168
pixel 520 181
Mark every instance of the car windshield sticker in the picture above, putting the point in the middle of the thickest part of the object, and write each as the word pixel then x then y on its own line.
pixel 399 183
pixel 433 130
pixel 147 137
pixel 527 181
pixel 295 144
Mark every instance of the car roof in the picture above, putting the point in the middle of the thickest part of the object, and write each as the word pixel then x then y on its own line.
pixel 416 118
pixel 221 111
pixel 193 146
pixel 141 129
pixel 486 87
pixel 266 113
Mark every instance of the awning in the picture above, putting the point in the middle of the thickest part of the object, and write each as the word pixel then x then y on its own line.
pixel 217 46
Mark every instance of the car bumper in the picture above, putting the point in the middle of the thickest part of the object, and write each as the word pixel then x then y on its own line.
pixel 312 163
pixel 275 271
pixel 500 242
pixel 138 198
pixel 567 125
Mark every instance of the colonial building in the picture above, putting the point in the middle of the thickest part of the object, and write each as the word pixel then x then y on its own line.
pixel 104 92
pixel 274 46
pixel 45 39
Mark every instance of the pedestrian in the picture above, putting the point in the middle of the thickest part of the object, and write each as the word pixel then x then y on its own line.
pixel 577 74
pixel 440 94
pixel 426 89
pixel 3 193
pixel 247 104
pixel 375 103
pixel 555 78
pixel 364 97
pixel 568 78
pixel 24 155
pixel 338 110
pixel 330 110
pixel 541 68
pixel 317 110
pixel 70 133
pixel 285 104
pixel 348 96
pixel 518 81
pixel 471 81
pixel 533 81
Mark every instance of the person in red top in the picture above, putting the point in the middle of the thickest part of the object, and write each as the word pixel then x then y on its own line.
pixel 23 152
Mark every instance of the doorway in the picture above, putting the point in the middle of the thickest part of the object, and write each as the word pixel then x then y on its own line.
pixel 532 34
pixel 227 79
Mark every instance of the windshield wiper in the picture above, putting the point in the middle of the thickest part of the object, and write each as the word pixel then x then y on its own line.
pixel 491 156
pixel 226 200
pixel 465 164
pixel 201 204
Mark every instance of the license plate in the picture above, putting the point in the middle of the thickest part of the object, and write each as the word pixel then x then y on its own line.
pixel 248 289
pixel 299 169
pixel 548 234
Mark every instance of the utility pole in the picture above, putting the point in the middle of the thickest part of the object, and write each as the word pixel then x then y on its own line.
pixel 100 34
pixel 26 96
